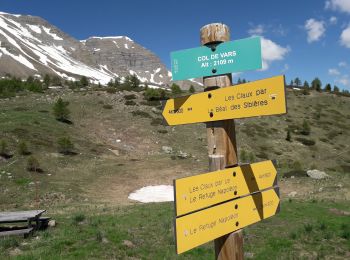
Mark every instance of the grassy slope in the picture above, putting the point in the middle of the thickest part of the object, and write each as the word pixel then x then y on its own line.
pixel 96 177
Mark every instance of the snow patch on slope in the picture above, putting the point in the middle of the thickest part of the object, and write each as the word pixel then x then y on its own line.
pixel 34 28
pixel 160 193
pixel 111 37
pixel 53 35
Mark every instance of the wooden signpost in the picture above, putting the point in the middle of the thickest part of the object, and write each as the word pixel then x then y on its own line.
pixel 217 205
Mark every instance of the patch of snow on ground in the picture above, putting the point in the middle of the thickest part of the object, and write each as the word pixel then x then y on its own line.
pixel 17 15
pixel 34 28
pixel 170 74
pixel 53 35
pixel 97 49
pixel 160 193
pixel 18 58
pixel 111 37
pixel 126 46
pixel 193 80
pixel 142 79
pixel 116 44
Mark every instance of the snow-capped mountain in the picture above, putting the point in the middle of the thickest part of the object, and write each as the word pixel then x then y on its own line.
pixel 30 45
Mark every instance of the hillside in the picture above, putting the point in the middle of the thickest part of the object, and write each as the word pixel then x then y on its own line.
pixel 119 148
pixel 31 46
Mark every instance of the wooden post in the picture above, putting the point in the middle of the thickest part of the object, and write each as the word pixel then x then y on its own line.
pixel 221 136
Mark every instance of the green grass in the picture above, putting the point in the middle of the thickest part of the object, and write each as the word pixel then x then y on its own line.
pixel 100 232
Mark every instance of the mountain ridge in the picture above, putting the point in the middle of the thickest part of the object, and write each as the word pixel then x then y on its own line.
pixel 31 46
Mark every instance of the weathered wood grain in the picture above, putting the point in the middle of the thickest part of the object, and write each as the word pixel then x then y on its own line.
pixel 221 137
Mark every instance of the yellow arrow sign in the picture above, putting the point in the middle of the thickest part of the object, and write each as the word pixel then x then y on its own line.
pixel 258 98
pixel 203 226
pixel 204 190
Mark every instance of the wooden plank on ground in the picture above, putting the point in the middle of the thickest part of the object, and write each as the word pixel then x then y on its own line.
pixel 19 216
pixel 16 232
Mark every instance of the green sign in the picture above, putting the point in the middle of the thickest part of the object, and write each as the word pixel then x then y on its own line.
pixel 227 57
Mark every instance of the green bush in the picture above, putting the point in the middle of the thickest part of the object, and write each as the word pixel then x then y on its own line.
pixel 307 142
pixel 33 164
pixel 65 145
pixel 141 113
pixel 157 121
pixel 61 111
pixel 289 137
pixel 79 218
pixel 152 94
pixel 3 147
pixel 130 97
pixel 107 106
pixel 111 90
pixel 305 130
pixel 22 148
pixel 175 89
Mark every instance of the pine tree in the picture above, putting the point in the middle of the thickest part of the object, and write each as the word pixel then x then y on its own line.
pixel 316 84
pixel 297 82
pixel 84 81
pixel 239 81
pixel 192 90
pixel 335 89
pixel 305 128
pixel 175 89
pixel 328 88
pixel 61 111
pixel 65 145
pixel 289 137
pixel 291 83
pixel 47 80
pixel 306 84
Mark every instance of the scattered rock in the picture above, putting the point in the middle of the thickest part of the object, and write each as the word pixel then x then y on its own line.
pixel 128 243
pixel 52 223
pixel 248 255
pixel 182 155
pixel 15 252
pixel 116 152
pixel 167 149
pixel 292 194
pixel 105 240
pixel 316 174
pixel 339 212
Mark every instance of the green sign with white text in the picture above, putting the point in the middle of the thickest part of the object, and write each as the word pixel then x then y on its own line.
pixel 226 57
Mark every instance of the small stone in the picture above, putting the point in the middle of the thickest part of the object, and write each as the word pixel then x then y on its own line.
pixel 182 155
pixel 167 149
pixel 292 194
pixel 15 252
pixel 316 174
pixel 248 255
pixel 52 223
pixel 128 243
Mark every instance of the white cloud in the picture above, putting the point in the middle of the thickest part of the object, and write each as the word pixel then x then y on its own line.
pixel 257 30
pixel 338 5
pixel 342 64
pixel 333 20
pixel 315 30
pixel 333 72
pixel 345 37
pixel 344 80
pixel 271 51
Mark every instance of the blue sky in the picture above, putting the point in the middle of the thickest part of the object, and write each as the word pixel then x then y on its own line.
pixel 300 38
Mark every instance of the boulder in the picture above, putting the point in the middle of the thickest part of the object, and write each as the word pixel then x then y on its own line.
pixel 316 174
pixel 167 149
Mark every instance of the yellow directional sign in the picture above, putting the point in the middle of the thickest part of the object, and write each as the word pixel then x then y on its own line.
pixel 203 226
pixel 204 190
pixel 258 98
